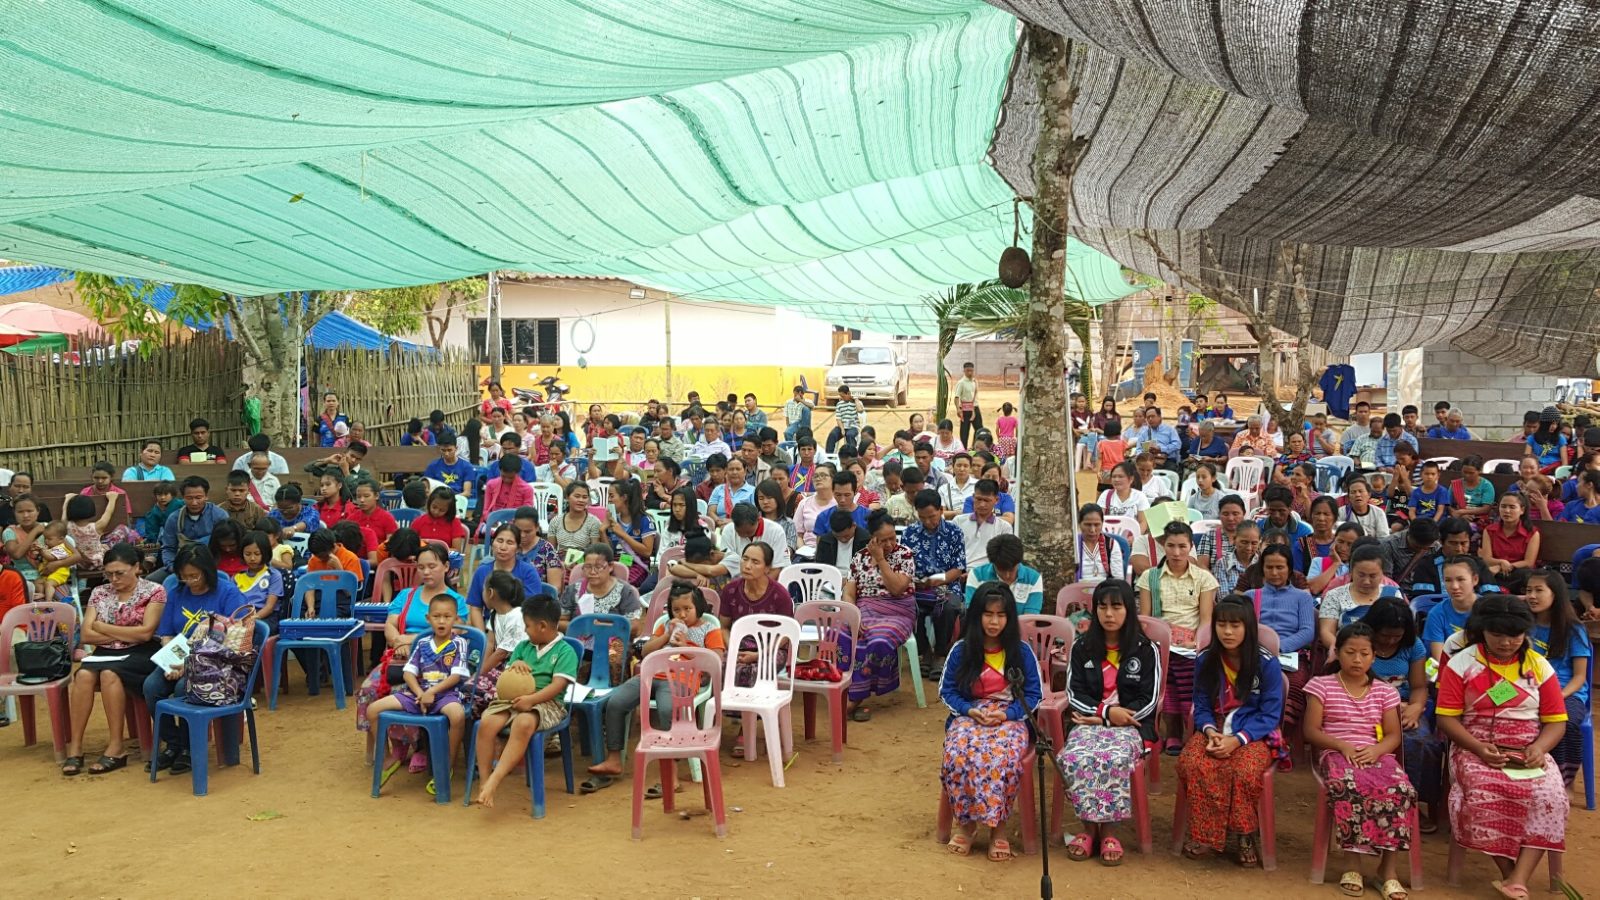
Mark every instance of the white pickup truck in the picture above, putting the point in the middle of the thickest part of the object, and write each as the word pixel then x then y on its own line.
pixel 870 371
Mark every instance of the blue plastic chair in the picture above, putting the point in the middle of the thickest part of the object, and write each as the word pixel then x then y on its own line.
pixel 1587 730
pixel 533 760
pixel 695 471
pixel 200 719
pixel 326 587
pixel 495 520
pixel 404 517
pixel 390 500
pixel 600 629
pixel 1421 605
pixel 435 725
pixel 1583 553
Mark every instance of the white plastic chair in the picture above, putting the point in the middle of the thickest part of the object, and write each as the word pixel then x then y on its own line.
pixel 1127 527
pixel 600 492
pixel 1204 527
pixel 1168 478
pixel 1491 466
pixel 816 581
pixel 658 519
pixel 1444 462
pixel 1244 476
pixel 1335 468
pixel 545 495
pixel 769 698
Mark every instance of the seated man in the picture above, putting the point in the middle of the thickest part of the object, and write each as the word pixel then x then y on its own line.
pixel 773 456
pixel 711 442
pixel 190 524
pixel 745 527
pixel 1451 429
pixel 844 495
pixel 978 526
pixel 1005 566
pixel 940 551
pixel 450 469
pixel 797 414
pixel 200 449
pixel 733 491
pixel 261 443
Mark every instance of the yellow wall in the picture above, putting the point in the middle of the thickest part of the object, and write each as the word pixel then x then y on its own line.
pixel 633 385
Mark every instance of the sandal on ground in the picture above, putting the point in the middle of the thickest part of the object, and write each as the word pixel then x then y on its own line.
pixel 1248 856
pixel 1195 850
pixel 596 783
pixel 738 748
pixel 164 759
pixel 1173 747
pixel 108 764
pixel 1000 850
pixel 1352 884
pixel 389 768
pixel 1394 890
pixel 181 764
pixel 1110 852
pixel 653 792
pixel 861 714
pixel 1080 847
pixel 960 843
pixel 1510 890
pixel 418 764
pixel 72 765
pixel 1428 826
pixel 432 788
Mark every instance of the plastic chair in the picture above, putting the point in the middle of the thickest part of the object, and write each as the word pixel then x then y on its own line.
pixel 404 517
pixel 1169 479
pixel 1445 462
pixel 685 668
pixel 769 697
pixel 812 581
pixel 435 725
pixel 1421 605
pixel 658 602
pixel 533 760
pixel 1126 529
pixel 1045 634
pixel 1320 836
pixel 666 558
pixel 1075 597
pixel 833 620
pixel 806 391
pixel 600 492
pixel 326 587
pixel 695 471
pixel 659 519
pixel 201 718
pixel 1493 466
pixel 41 622
pixel 390 500
pixel 913 663
pixel 1458 856
pixel 547 494
pixel 601 629
pixel 1244 476
pixel 495 520
pixel 1584 552
pixel 1331 473
pixel 1204 527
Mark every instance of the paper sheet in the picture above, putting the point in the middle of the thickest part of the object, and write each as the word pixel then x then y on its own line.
pixel 605 449
pixel 1290 662
pixel 171 657
pixel 577 693
pixel 1522 774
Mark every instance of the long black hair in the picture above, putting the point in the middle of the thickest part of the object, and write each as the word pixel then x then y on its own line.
pixel 972 634
pixel 1208 675
pixel 1562 616
pixel 1391 612
pixel 690 525
pixel 1113 592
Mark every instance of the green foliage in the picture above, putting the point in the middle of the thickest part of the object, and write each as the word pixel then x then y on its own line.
pixel 123 306
pixel 403 310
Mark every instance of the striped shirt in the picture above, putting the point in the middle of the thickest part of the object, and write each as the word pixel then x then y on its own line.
pixel 1348 719
pixel 848 412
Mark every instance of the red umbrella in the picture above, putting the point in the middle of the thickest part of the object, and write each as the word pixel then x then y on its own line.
pixel 41 319
pixel 10 334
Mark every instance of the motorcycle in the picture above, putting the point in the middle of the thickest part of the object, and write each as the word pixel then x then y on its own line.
pixel 550 386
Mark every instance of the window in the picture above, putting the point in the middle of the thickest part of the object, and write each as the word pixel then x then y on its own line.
pixel 523 342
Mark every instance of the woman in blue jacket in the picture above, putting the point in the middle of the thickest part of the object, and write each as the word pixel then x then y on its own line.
pixel 1238 704
pixel 986 735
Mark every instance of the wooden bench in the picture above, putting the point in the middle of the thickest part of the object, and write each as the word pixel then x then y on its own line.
pixel 54 495
pixel 1558 541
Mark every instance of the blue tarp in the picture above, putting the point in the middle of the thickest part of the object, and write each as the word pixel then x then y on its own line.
pixel 334 330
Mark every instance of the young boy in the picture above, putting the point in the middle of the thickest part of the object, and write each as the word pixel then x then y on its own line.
pixel 166 495
pixel 1449 617
pixel 451 470
pixel 1183 594
pixel 437 667
pixel 549 665
pixel 1430 500
pixel 716 474
pixel 238 504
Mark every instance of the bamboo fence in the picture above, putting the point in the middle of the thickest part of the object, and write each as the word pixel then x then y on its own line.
pixel 384 389
pixel 56 414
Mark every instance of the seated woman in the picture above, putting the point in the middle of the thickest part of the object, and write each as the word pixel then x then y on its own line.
pixel 503 557
pixel 754 592
pixel 1292 613
pixel 1353 720
pixel 879 583
pixel 119 627
pixel 632 534
pixel 1238 702
pixel 1500 706
pixel 986 733
pixel 1561 639
pixel 1112 686
pixel 407 620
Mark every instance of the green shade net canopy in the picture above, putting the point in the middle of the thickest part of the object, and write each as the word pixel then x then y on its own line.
pixel 829 156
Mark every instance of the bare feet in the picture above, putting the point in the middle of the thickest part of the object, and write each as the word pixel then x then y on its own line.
pixel 486 793
pixel 606 768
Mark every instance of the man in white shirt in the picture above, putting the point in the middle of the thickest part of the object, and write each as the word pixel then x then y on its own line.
pixel 959 486
pixel 746 528
pixel 967 403
pixel 260 443
pixel 978 526
pixel 710 442
pixel 263 484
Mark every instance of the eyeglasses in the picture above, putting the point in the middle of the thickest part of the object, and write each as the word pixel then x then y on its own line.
pixel 117 573
pixel 597 567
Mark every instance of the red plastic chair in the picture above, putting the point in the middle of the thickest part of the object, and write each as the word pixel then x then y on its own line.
pixel 1075 597
pixel 686 669
pixel 1027 793
pixel 41 622
pixel 658 603
pixel 1044 634
pixel 833 619
pixel 1324 824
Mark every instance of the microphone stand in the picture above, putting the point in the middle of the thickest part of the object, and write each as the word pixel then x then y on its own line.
pixel 1042 748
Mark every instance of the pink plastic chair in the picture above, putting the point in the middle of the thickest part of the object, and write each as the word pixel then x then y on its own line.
pixel 40 622
pixel 1074 597
pixel 658 603
pixel 833 620
pixel 770 697
pixel 1044 634
pixel 1324 824
pixel 1026 795
pixel 685 668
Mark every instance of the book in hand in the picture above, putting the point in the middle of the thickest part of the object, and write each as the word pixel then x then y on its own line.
pixel 172 657
pixel 605 449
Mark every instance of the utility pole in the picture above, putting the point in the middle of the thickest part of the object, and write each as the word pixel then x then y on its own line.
pixel 496 354
pixel 666 319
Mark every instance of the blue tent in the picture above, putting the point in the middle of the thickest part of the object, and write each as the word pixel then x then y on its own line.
pixel 334 330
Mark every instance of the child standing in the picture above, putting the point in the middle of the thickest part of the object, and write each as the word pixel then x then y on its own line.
pixel 438 665
pixel 546 663
pixel 1563 641
pixel 1111 450
pixel 1354 722
pixel 58 558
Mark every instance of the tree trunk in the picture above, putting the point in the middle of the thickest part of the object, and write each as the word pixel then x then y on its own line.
pixel 273 334
pixel 1045 522
pixel 947 342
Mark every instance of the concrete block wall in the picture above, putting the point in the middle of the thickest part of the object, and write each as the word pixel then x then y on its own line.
pixel 1493 396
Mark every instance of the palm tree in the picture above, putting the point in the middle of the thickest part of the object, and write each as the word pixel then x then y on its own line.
pixel 989 308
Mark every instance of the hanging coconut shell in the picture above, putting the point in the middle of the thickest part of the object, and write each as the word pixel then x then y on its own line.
pixel 1015 267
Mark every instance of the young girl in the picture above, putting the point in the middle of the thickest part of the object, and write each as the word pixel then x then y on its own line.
pixel 227 547
pixel 1399 658
pixel 683 520
pixel 986 733
pixel 1359 508
pixel 1500 707
pixel 1238 702
pixel 58 557
pixel 1547 444
pixel 259 583
pixel 1322 515
pixel 632 533
pixel 1220 408
pixel 1183 594
pixel 1353 720
pixel 687 622
pixel 439 523
pixel 1124 498
pixel 333 501
pixel 1336 563
pixel 502 596
pixel 1561 639
pixel 1005 432
pixel 1113 680
pixel 1099 557
pixel 1510 543
pixel 86 528
pixel 1111 450
pixel 1206 496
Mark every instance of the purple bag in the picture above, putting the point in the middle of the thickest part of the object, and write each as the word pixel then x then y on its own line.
pixel 219 665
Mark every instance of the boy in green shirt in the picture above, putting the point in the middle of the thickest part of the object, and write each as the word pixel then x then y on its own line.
pixel 529 695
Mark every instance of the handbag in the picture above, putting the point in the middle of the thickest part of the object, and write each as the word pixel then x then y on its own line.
pixel 394 672
pixel 225 652
pixel 39 662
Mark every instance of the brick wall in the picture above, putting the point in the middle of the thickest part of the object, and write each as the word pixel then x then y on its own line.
pixel 1492 396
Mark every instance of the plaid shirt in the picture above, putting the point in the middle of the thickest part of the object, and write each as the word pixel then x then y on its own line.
pixel 1384 455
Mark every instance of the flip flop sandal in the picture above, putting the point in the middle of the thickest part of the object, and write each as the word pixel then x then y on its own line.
pixel 862 714
pixel 738 748
pixel 1195 850
pixel 72 765
pixel 653 792
pixel 1000 850
pixel 391 767
pixel 432 791
pixel 107 764
pixel 1110 852
pixel 181 765
pixel 418 764
pixel 1394 890
pixel 596 783
pixel 1172 747
pixel 165 759
pixel 1510 890
pixel 1080 848
pixel 960 843
pixel 1352 884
